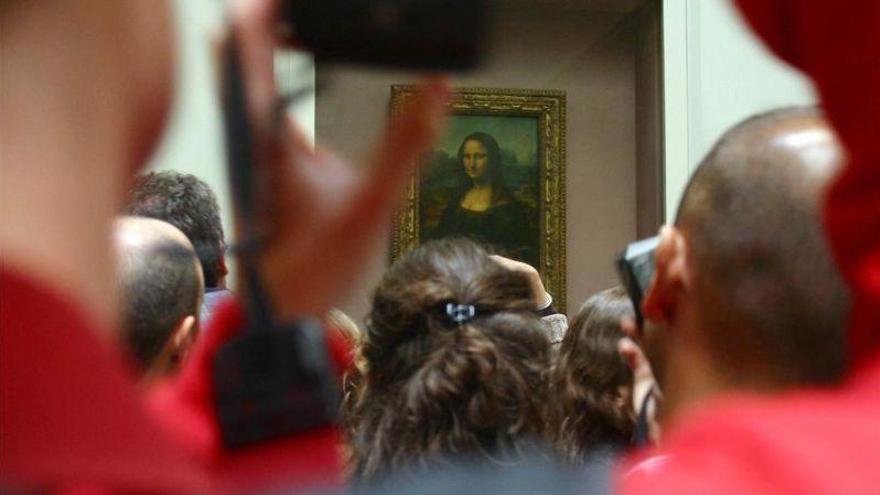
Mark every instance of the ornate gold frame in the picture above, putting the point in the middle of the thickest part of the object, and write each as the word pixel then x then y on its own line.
pixel 549 107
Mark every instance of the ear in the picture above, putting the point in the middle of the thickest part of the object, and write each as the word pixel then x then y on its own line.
pixel 222 270
pixel 671 277
pixel 182 337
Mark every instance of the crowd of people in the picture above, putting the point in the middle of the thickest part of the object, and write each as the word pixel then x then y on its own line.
pixel 461 354
pixel 754 369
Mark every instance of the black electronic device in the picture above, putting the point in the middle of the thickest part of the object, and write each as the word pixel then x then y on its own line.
pixel 273 382
pixel 414 34
pixel 274 379
pixel 635 265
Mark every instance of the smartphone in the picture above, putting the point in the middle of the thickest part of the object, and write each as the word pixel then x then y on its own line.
pixel 635 266
pixel 408 34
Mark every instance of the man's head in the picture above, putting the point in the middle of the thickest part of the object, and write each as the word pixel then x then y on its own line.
pixel 161 286
pixel 745 283
pixel 187 203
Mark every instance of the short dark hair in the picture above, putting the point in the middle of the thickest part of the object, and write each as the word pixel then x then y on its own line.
pixel 751 216
pixel 185 201
pixel 160 286
pixel 434 388
pixel 587 376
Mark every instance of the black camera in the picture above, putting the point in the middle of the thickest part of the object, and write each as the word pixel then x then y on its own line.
pixel 274 381
pixel 635 265
pixel 410 34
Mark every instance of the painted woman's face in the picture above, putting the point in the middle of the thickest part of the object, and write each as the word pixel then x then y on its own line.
pixel 475 160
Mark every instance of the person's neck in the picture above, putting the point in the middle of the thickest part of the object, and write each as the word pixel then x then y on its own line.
pixel 62 171
pixel 689 381
pixel 159 371
pixel 695 377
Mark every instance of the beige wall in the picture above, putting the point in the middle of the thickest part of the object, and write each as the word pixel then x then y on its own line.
pixel 591 56
pixel 193 140
pixel 650 203
pixel 716 73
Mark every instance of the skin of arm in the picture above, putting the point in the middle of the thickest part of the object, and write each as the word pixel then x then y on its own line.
pixel 539 294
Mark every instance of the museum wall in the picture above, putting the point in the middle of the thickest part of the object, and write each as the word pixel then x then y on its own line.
pixel 193 140
pixel 590 55
pixel 620 164
pixel 716 74
pixel 732 75
pixel 650 202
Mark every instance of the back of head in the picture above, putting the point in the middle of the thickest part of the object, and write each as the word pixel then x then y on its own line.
pixel 161 285
pixel 435 387
pixel 590 381
pixel 773 299
pixel 187 203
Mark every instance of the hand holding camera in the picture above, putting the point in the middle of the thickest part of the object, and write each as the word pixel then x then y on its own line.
pixel 321 218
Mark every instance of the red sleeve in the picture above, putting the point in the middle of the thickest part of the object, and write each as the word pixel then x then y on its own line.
pixel 70 415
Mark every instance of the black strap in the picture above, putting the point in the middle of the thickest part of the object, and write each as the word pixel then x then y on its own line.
pixel 275 378
pixel 548 311
pixel 642 433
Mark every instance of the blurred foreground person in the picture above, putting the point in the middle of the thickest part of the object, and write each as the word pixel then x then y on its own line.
pixel 811 441
pixel 456 365
pixel 590 385
pixel 186 202
pixel 77 119
pixel 161 287
pixel 746 303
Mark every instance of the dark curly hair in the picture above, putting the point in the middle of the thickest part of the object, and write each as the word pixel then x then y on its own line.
pixel 587 377
pixel 433 388
pixel 185 201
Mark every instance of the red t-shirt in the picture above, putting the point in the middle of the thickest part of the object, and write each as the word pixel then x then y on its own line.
pixel 185 407
pixel 69 411
pixel 802 443
pixel 71 417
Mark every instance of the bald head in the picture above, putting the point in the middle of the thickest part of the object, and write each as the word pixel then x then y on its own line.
pixel 140 234
pixel 790 150
pixel 161 282
pixel 772 296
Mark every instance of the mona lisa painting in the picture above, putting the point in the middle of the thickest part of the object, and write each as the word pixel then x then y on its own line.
pixel 496 176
